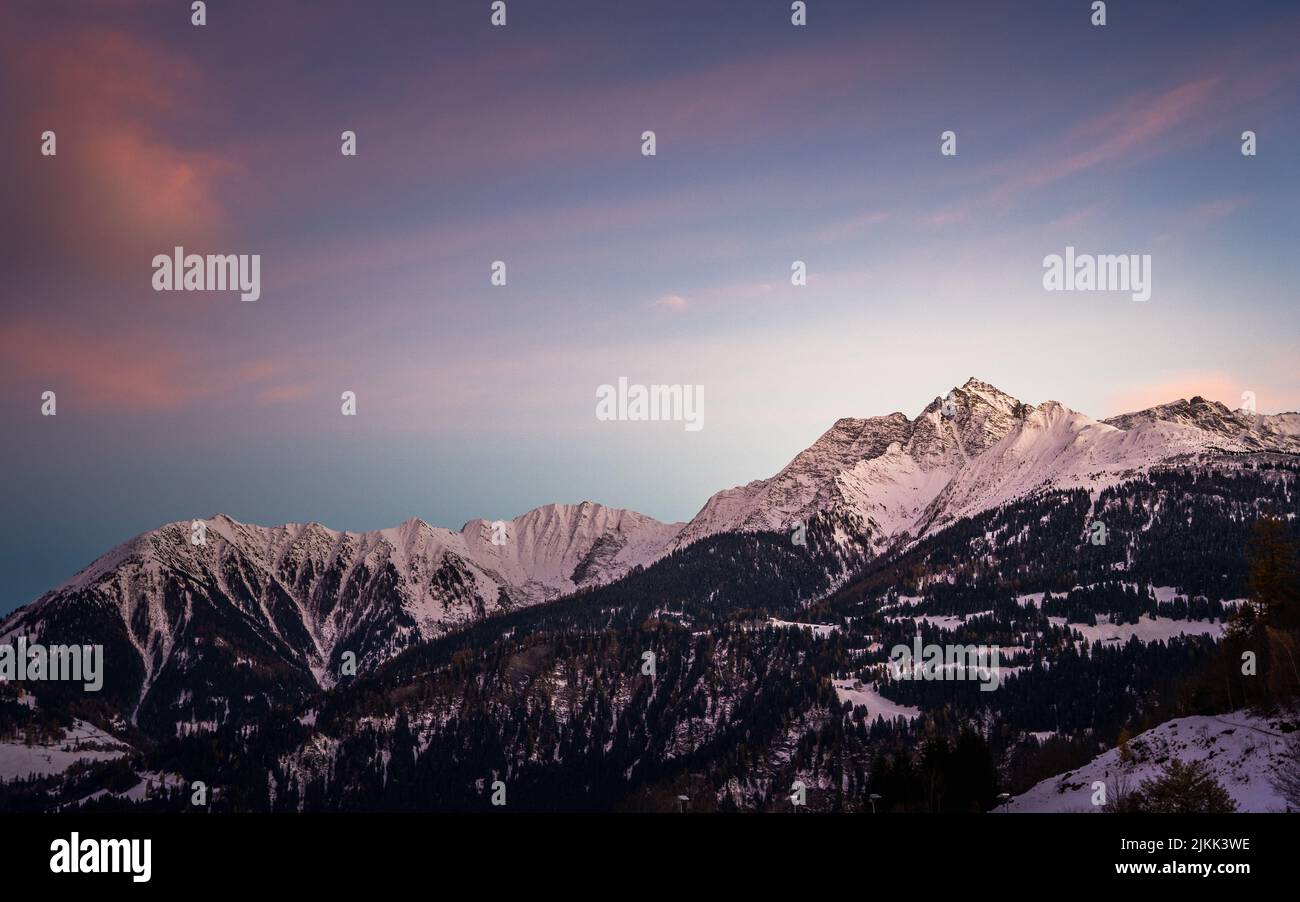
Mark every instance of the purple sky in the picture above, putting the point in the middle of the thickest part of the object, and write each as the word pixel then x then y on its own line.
pixel 522 144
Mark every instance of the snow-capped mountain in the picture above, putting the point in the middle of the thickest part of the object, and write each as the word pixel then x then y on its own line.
pixel 873 476
pixel 891 478
pixel 539 555
pixel 300 596
pixel 287 604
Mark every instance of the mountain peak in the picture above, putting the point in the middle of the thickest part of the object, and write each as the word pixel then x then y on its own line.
pixel 879 471
pixel 988 392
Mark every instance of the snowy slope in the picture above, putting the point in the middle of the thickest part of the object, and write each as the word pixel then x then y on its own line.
pixel 1241 749
pixel 80 742
pixel 855 693
pixel 554 549
pixel 873 476
pixel 804 487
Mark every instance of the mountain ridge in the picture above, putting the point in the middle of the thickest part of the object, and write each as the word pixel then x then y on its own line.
pixel 299 598
pixel 857 470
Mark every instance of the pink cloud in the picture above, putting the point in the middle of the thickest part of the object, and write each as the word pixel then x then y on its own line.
pixel 672 302
pixel 1132 131
pixel 1126 133
pixel 139 371
pixel 112 97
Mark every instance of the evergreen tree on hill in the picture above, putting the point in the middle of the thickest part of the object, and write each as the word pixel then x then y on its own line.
pixel 1181 789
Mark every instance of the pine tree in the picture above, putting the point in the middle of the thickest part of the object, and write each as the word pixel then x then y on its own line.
pixel 1182 789
pixel 1274 567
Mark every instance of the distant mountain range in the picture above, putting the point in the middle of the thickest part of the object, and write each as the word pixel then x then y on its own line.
pixel 301 667
pixel 297 596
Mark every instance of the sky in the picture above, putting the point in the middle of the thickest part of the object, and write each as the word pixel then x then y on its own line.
pixel 522 143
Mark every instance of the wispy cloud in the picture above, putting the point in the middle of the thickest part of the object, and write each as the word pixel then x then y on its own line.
pixel 141 371
pixel 672 302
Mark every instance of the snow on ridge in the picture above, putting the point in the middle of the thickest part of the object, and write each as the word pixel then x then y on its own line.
pixel 1058 448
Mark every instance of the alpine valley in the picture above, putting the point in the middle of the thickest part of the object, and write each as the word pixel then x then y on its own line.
pixel 581 657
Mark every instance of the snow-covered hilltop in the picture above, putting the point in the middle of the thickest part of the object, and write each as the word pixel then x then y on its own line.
pixel 1241 751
